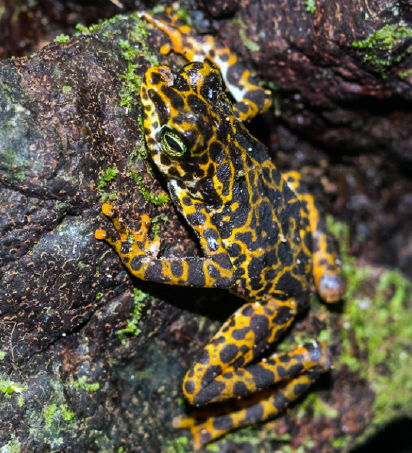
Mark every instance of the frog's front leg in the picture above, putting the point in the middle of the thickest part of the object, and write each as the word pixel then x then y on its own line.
pixel 224 370
pixel 138 254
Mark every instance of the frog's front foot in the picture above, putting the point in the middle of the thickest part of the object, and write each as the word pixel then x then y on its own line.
pixel 131 243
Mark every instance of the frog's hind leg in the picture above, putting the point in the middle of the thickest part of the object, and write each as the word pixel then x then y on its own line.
pixel 207 429
pixel 223 371
pixel 326 264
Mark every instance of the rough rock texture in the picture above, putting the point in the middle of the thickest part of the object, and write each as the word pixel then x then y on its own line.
pixel 66 298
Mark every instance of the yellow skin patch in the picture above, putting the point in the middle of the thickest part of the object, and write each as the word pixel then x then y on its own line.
pixel 261 235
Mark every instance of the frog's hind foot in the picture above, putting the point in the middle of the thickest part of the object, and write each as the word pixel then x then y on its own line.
pixel 206 430
pixel 226 370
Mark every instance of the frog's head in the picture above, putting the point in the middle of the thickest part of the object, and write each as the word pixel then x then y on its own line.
pixel 186 121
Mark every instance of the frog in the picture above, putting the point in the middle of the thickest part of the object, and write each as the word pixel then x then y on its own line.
pixel 260 232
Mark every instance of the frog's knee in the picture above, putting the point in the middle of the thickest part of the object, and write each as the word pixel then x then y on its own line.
pixel 190 387
pixel 200 386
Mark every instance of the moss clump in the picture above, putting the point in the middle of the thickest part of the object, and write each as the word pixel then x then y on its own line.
pixel 13 164
pixel 130 90
pixel 9 387
pixel 155 225
pixel 310 6
pixel 156 199
pixel 82 384
pixel 95 27
pixel 378 316
pixel 104 179
pixel 13 446
pixel 386 47
pixel 405 74
pixel 249 44
pixel 177 445
pixel 132 328
pixel 134 47
pixel 62 38
pixel 54 413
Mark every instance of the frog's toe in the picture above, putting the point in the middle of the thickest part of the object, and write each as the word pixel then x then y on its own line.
pixel 100 234
pixel 109 211
pixel 183 422
pixel 331 287
pixel 145 224
pixel 140 236
pixel 199 429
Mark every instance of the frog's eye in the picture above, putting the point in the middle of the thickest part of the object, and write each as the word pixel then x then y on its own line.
pixel 172 145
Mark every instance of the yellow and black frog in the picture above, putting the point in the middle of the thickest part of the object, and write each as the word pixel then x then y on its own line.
pixel 260 232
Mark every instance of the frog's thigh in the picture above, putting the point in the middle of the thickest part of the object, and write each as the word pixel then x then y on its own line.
pixel 326 270
pixel 206 430
pixel 241 338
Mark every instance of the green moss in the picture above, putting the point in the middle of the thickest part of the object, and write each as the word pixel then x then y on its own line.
pixel 13 163
pixel 67 89
pixel 62 38
pixel 405 74
pixel 318 406
pixel 104 179
pixel 9 387
pixel 140 152
pixel 55 413
pixel 13 446
pixel 378 316
pixel 95 27
pixel 339 443
pixel 214 448
pixel 130 90
pixel 310 6
pixel 134 47
pixel 155 225
pixel 249 44
pixel 382 47
pixel 177 445
pixel 2 355
pixel 156 199
pixel 82 28
pixel 82 384
pixel 108 197
pixel 132 328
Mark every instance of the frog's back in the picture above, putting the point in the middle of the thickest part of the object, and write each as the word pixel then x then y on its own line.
pixel 261 224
